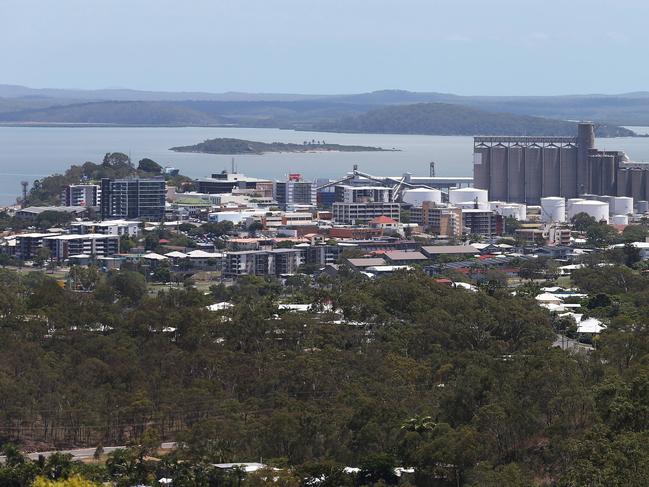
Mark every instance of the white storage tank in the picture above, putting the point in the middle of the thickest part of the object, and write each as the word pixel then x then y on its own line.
pixel 597 209
pixel 622 205
pixel 553 209
pixel 494 205
pixel 417 196
pixel 642 206
pixel 519 212
pixel 459 195
pixel 620 219
pixel 570 202
pixel 469 205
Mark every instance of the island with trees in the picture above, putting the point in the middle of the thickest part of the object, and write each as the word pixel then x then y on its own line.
pixel 229 146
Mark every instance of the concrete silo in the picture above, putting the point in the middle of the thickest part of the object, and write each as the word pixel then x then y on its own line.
pixel 533 174
pixel 568 163
pixel 498 172
pixel 516 174
pixel 481 166
pixel 551 185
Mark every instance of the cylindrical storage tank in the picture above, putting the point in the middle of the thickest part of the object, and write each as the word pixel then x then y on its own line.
pixel 468 205
pixel 494 205
pixel 516 211
pixel 621 205
pixel 417 196
pixel 620 219
pixel 571 202
pixel 596 209
pixel 642 206
pixel 461 195
pixel 553 209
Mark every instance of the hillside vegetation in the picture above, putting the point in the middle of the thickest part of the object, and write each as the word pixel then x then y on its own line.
pixel 365 115
pixel 462 386
pixel 240 146
pixel 447 119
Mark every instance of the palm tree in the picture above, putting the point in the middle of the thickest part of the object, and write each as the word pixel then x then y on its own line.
pixel 419 424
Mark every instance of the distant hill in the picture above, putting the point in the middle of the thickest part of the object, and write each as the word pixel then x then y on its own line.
pixel 618 109
pixel 447 119
pixel 239 146
pixel 378 112
pixel 115 113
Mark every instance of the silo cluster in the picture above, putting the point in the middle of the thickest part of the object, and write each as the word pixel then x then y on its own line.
pixel 527 169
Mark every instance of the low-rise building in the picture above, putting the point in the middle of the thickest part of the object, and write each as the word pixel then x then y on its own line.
pixel 28 244
pixel 107 227
pixel 358 213
pixel 92 244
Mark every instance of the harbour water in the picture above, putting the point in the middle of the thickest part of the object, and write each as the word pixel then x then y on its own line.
pixel 29 153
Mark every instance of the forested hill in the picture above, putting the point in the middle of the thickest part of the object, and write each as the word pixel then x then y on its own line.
pixel 240 146
pixel 447 119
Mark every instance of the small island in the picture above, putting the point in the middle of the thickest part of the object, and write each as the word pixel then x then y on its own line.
pixel 228 146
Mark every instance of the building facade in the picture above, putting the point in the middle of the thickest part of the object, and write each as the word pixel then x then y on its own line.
pixel 81 195
pixel 143 199
pixel 295 192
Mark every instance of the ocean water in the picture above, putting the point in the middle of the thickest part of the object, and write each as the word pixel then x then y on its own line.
pixel 29 153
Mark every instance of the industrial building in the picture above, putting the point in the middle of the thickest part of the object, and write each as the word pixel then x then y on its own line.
pixel 225 182
pixel 527 169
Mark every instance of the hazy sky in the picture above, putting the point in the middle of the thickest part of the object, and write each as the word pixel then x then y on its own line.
pixel 328 46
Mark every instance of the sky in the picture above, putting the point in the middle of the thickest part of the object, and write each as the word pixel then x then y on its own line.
pixel 469 47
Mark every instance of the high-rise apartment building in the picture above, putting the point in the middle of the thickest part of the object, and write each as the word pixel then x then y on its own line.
pixel 133 198
pixel 81 195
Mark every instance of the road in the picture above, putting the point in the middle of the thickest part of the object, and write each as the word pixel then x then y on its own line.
pixel 86 453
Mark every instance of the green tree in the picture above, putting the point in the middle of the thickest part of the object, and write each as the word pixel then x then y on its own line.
pixel 582 221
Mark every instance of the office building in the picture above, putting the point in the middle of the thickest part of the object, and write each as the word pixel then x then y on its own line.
pixel 526 169
pixel 143 199
pixel 294 193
